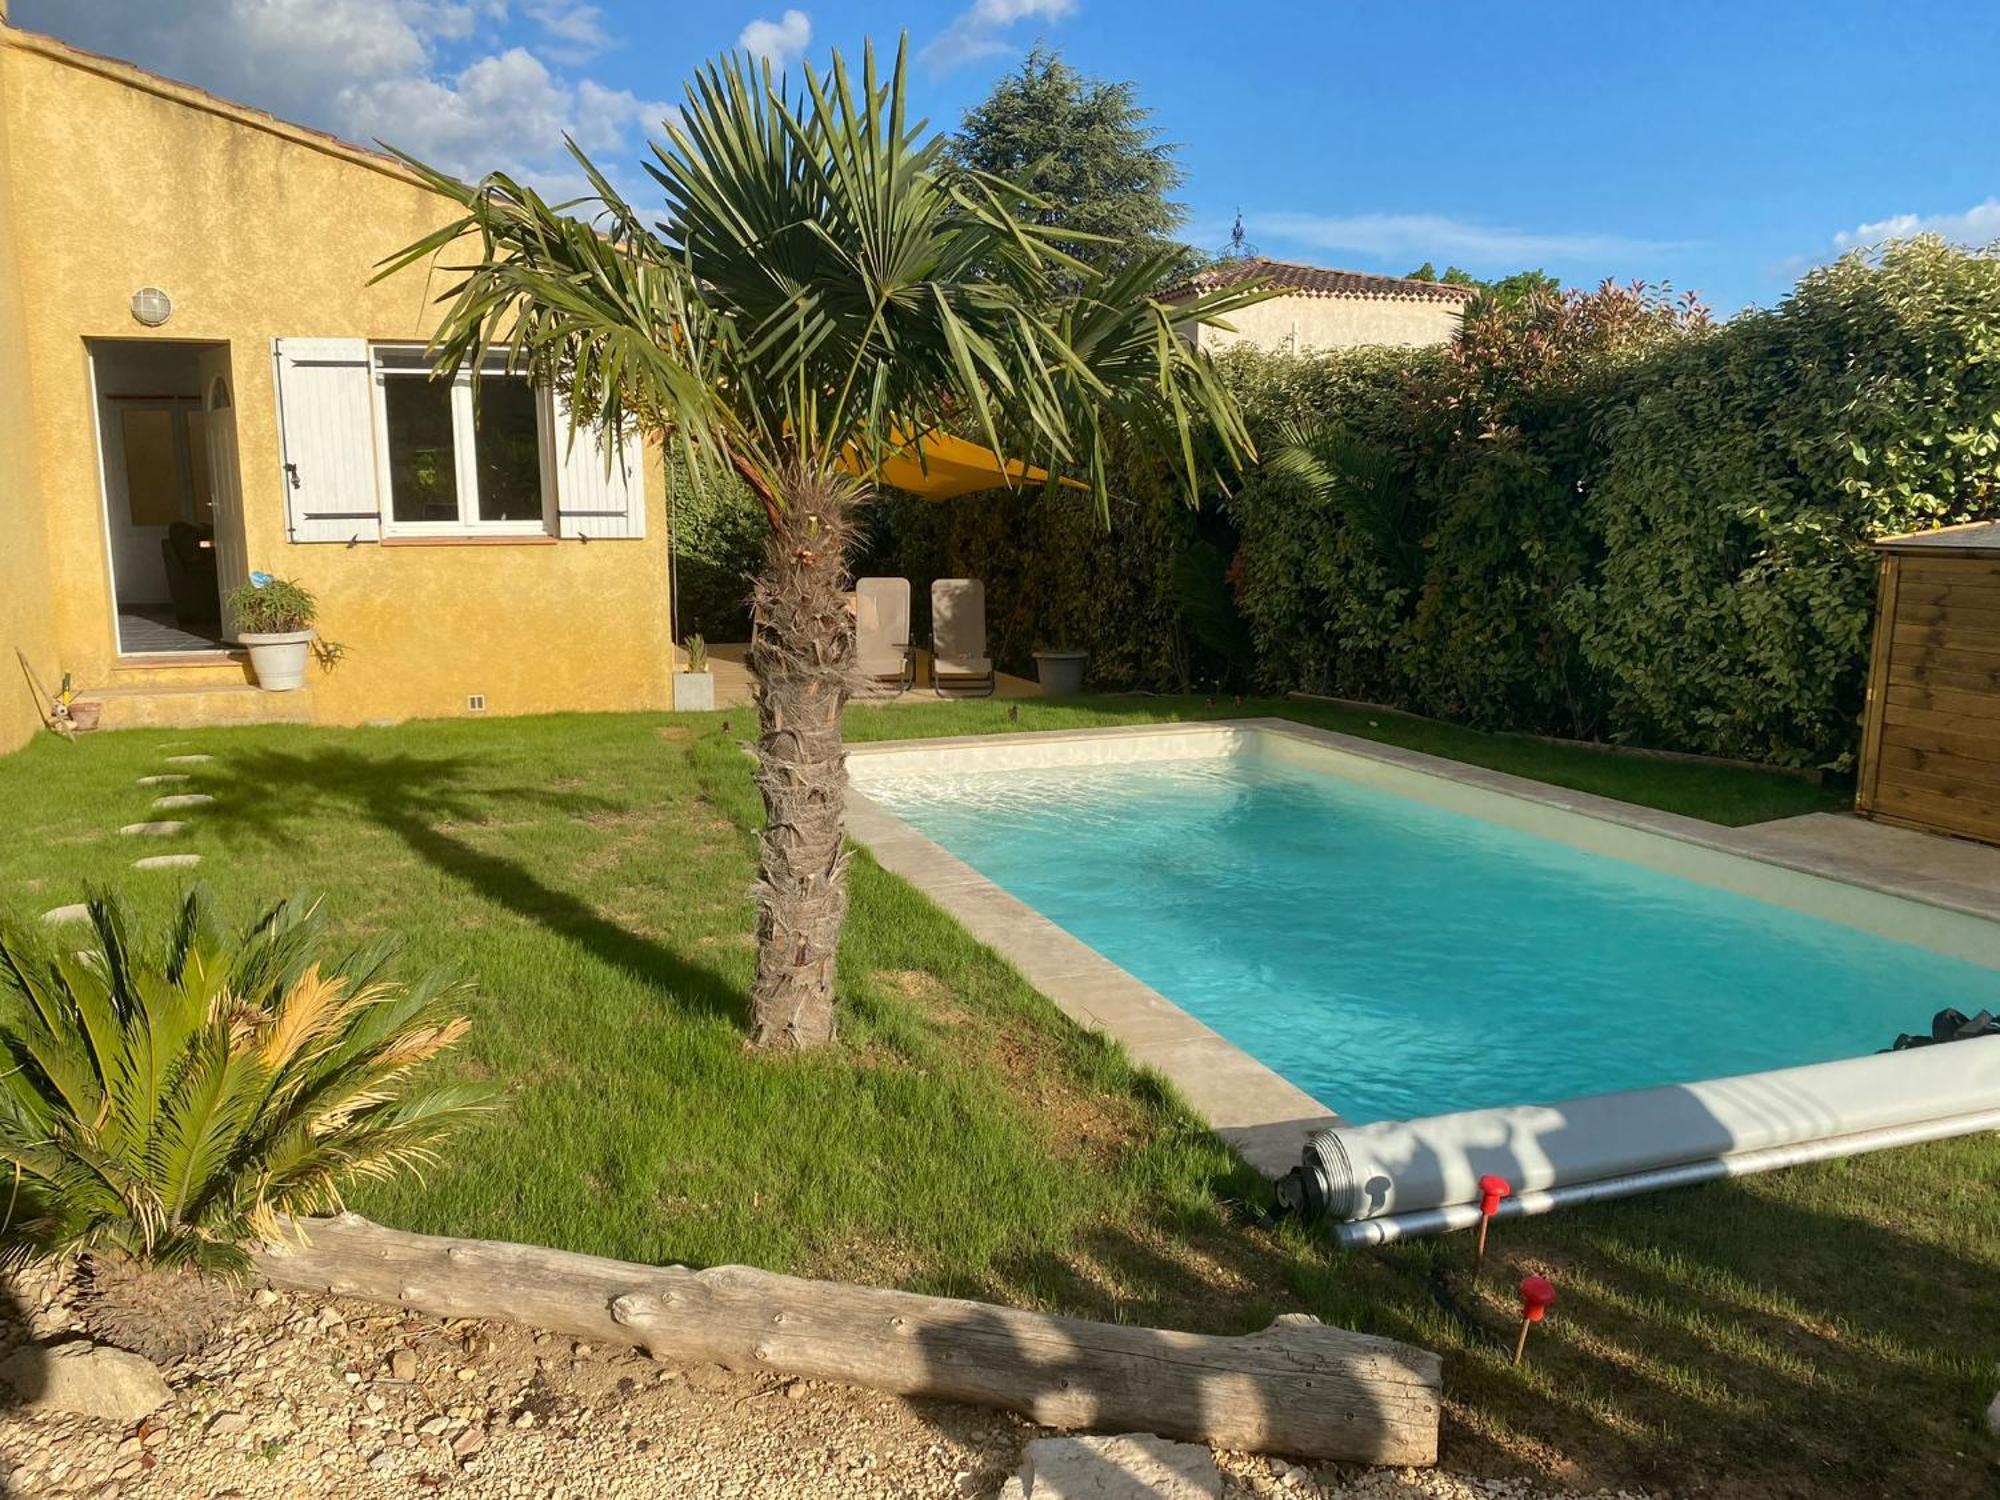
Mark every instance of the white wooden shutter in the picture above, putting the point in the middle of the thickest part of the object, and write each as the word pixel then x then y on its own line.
pixel 596 498
pixel 328 428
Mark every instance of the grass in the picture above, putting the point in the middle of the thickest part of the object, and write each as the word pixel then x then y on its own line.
pixel 1830 1331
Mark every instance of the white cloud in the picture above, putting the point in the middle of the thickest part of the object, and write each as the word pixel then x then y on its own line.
pixel 457 122
pixel 1438 237
pixel 1977 225
pixel 430 77
pixel 575 31
pixel 603 115
pixel 778 42
pixel 980 30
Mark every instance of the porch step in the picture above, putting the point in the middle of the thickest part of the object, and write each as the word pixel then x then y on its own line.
pixel 198 705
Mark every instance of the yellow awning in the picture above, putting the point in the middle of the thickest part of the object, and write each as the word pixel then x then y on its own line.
pixel 951 467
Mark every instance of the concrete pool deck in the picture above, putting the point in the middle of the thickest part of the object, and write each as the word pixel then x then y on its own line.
pixel 1946 889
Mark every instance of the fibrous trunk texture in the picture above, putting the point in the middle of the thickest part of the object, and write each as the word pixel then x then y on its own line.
pixel 162 1313
pixel 801 658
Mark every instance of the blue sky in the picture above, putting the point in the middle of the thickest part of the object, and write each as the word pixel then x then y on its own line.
pixel 1716 146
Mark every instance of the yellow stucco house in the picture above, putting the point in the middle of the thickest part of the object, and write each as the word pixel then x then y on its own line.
pixel 198 380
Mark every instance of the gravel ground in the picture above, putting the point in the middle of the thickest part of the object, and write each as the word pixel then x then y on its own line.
pixel 321 1397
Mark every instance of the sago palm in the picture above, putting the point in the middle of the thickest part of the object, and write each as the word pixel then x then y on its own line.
pixel 825 286
pixel 172 1098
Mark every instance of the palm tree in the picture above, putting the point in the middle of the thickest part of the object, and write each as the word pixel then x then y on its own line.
pixel 826 285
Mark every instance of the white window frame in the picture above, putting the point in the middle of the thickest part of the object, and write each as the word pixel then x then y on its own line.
pixel 464 428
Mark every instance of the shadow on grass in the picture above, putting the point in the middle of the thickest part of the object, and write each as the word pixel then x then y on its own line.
pixel 277 797
pixel 1723 1339
pixel 1769 1342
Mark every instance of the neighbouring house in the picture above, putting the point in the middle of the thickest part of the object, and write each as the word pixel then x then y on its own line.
pixel 1316 308
pixel 198 379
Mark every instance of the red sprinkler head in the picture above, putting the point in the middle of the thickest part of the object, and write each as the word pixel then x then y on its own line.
pixel 1491 1190
pixel 1537 1293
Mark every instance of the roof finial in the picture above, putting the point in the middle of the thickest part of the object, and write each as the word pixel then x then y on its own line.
pixel 1239 247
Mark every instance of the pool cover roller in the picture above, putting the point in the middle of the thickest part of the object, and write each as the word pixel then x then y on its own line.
pixel 1384 1181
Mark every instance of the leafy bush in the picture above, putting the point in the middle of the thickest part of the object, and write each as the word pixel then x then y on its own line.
pixel 271 606
pixel 1595 515
pixel 172 1097
pixel 1743 478
pixel 1055 579
pixel 719 537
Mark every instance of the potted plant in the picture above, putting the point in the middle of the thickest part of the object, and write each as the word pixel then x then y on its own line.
pixel 694 688
pixel 274 619
pixel 1060 672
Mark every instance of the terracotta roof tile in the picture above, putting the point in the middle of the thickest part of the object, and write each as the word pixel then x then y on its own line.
pixel 1317 281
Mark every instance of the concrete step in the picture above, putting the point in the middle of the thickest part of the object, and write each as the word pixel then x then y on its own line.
pixel 198 705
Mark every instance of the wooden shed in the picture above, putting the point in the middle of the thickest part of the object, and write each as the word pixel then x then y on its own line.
pixel 1930 747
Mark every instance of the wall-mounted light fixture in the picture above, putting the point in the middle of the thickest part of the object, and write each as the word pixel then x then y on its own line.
pixel 151 306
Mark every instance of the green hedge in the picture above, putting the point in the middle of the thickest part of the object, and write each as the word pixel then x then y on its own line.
pixel 1606 517
pixel 719 533
pixel 1743 478
pixel 1057 579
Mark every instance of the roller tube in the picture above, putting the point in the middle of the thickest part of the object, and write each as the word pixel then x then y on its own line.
pixel 1426 1172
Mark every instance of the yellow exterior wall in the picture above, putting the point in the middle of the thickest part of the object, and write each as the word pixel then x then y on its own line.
pixel 27 618
pixel 259 230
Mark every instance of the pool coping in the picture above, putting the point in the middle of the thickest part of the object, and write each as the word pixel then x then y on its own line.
pixel 1263 1116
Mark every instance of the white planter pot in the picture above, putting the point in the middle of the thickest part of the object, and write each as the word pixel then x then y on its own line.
pixel 279 658
pixel 694 691
pixel 1060 672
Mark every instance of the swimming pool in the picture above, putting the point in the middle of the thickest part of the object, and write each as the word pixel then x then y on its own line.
pixel 1398 955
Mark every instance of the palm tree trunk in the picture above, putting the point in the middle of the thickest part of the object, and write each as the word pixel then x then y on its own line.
pixel 801 657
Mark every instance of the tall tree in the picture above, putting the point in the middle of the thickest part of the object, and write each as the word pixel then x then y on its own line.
pixel 826 283
pixel 1088 150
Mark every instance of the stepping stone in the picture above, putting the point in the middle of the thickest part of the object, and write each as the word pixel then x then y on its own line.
pixel 189 760
pixel 166 862
pixel 169 778
pixel 186 799
pixel 1137 1466
pixel 164 830
pixel 77 913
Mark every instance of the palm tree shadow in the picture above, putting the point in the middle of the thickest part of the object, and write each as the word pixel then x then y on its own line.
pixel 277 797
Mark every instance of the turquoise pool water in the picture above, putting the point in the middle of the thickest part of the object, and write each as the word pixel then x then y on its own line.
pixel 1394 959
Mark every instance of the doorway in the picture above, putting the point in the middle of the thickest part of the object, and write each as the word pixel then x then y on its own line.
pixel 173 520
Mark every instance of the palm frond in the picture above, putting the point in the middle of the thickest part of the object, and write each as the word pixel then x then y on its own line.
pixel 826 281
pixel 172 1098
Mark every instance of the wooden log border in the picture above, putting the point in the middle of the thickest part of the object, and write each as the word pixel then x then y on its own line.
pixel 1296 1388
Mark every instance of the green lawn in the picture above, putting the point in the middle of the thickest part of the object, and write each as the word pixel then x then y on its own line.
pixel 1828 1331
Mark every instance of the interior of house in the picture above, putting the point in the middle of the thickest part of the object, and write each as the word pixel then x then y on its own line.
pixel 158 407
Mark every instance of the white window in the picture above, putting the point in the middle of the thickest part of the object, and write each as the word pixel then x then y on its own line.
pixel 373 447
pixel 453 461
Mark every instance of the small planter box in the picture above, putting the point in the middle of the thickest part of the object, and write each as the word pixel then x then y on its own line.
pixel 1060 672
pixel 694 692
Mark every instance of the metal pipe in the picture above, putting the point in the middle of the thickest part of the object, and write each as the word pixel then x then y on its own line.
pixel 1454 1216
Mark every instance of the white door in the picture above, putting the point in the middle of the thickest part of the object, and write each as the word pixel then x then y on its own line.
pixel 225 479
